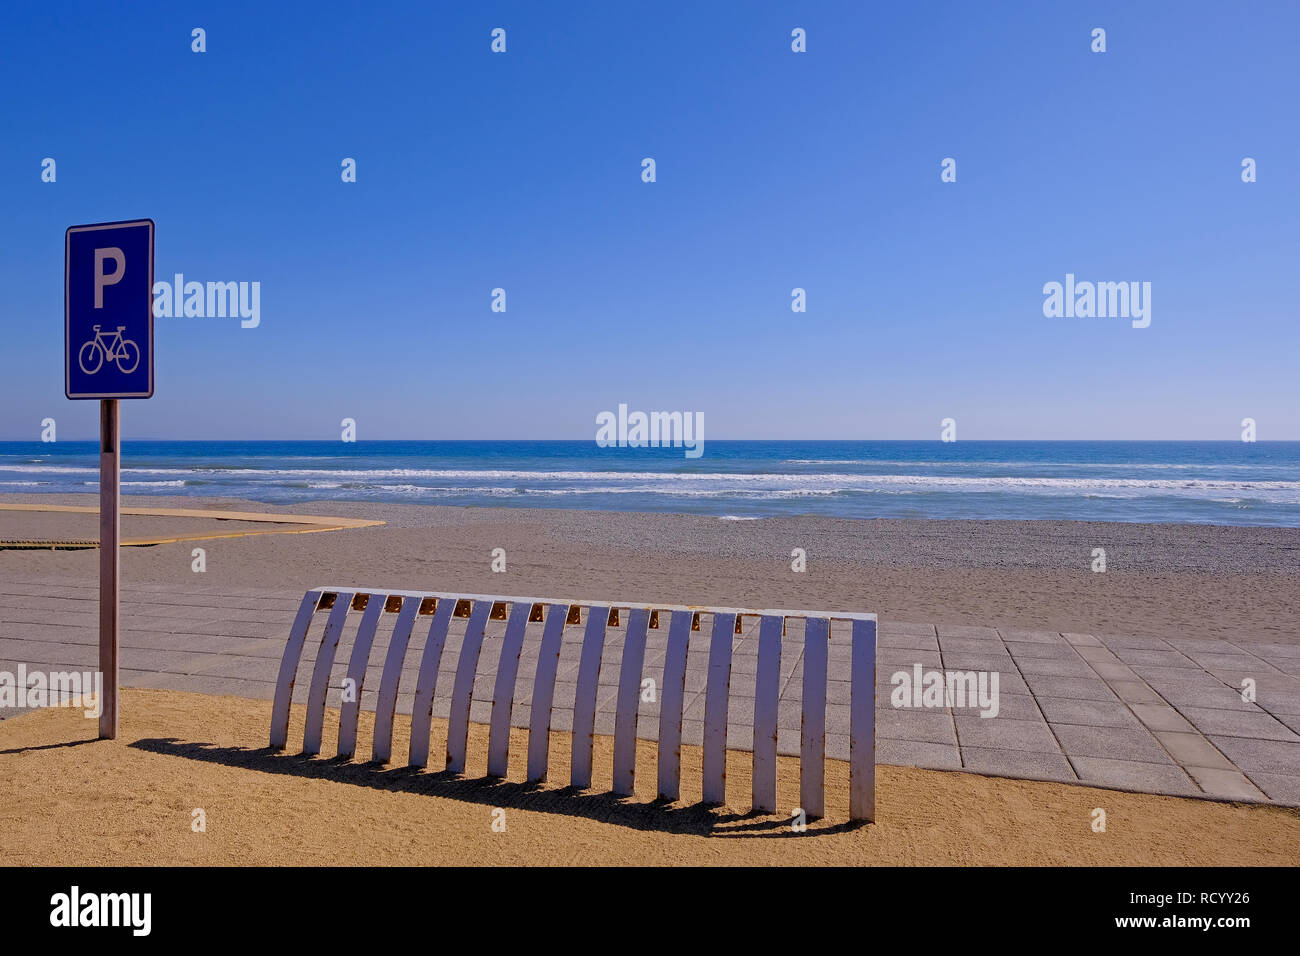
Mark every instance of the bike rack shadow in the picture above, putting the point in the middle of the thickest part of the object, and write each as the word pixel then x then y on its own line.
pixel 696 819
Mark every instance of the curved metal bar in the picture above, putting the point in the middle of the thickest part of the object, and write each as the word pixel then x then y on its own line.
pixel 584 703
pixel 381 747
pixel 767 693
pixel 350 710
pixel 289 670
pixel 320 675
pixel 426 682
pixel 812 746
pixel 548 662
pixel 715 709
pixel 629 697
pixel 503 692
pixel 463 691
pixel 670 706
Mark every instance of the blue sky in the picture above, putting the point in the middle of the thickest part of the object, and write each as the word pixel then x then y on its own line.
pixel 775 170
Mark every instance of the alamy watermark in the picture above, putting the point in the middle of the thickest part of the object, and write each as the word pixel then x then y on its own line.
pixel 212 300
pixel 960 689
pixel 82 689
pixel 1101 300
pixel 651 430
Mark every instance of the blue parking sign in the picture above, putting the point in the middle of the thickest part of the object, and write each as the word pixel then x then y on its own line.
pixel 108 310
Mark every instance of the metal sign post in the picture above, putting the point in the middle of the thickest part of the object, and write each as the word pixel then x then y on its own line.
pixel 108 355
pixel 110 528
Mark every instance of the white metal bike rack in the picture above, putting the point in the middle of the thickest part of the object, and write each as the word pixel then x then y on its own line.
pixel 554 615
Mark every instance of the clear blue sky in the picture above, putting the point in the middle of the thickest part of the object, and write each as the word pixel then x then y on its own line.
pixel 775 170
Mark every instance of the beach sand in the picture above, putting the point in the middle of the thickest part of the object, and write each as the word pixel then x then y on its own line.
pixel 66 799
pixel 1171 581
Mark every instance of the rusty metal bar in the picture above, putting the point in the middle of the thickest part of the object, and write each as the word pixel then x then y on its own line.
pixel 503 693
pixel 584 703
pixel 289 670
pixel 812 746
pixel 767 696
pixel 629 697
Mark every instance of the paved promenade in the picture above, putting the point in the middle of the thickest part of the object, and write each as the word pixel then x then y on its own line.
pixel 1132 713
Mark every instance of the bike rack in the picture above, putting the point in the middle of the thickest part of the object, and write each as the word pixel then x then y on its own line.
pixel 335 604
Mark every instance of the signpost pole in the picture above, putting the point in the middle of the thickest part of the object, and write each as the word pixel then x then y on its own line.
pixel 107 356
pixel 110 527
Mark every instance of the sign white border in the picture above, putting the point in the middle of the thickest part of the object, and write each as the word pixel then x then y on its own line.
pixel 67 318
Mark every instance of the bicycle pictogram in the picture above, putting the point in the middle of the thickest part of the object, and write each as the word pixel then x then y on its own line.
pixel 112 346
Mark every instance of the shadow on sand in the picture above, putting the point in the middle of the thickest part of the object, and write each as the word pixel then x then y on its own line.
pixel 659 815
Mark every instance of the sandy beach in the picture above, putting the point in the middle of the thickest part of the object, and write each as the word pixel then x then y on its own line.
pixel 133 802
pixel 1171 581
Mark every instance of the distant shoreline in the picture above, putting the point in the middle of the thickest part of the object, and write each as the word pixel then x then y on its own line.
pixel 1206 483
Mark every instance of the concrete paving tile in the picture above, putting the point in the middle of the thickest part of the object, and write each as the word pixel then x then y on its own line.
pixel 966 631
pixel 1088 713
pixel 921 725
pixel 1012 707
pixel 1134 775
pixel 1281 788
pixel 1140 657
pixel 1098 655
pixel 977 646
pixel 1060 652
pixel 912 641
pixel 1293 722
pixel 1114 641
pixel 1003 733
pixel 911 753
pixel 1017 763
pixel 1161 717
pixel 1015 635
pixel 1225 783
pixel 1255 724
pixel 1115 743
pixel 898 658
pixel 1192 750
pixel 1052 667
pixel 1135 692
pixel 1261 756
pixel 1236 662
pixel 1077 687
pixel 1216 698
pixel 981 662
pixel 1175 676
pixel 1115 672
pixel 1082 640
pixel 904 627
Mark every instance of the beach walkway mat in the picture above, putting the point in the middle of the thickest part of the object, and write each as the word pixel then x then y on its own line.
pixel 72 527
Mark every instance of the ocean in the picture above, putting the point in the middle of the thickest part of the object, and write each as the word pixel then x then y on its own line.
pixel 1236 483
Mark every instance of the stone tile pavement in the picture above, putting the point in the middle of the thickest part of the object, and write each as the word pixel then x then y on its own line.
pixel 1132 713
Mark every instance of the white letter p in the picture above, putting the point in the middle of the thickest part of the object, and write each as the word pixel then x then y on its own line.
pixel 101 280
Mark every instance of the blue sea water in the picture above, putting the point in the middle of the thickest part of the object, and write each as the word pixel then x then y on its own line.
pixel 1190 482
